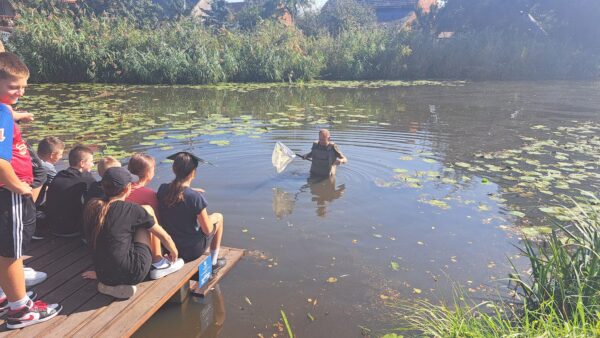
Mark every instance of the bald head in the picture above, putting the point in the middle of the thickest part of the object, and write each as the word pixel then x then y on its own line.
pixel 324 137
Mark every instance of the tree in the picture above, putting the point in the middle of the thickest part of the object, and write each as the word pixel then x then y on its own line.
pixel 280 7
pixel 249 17
pixel 219 15
pixel 342 15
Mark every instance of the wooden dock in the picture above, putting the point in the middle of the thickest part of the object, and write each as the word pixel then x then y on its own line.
pixel 88 313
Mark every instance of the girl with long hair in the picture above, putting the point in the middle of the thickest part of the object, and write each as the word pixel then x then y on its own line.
pixel 119 233
pixel 183 211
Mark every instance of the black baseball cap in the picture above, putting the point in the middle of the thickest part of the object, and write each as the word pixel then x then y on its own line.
pixel 195 159
pixel 119 177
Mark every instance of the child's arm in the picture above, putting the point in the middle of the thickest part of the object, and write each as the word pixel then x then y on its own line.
pixel 162 235
pixel 205 224
pixel 10 179
pixel 20 116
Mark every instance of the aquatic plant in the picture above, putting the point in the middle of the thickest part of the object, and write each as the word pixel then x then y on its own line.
pixel 560 297
pixel 565 271
pixel 466 318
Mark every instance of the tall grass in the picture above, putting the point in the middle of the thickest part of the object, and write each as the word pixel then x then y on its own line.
pixel 565 272
pixel 63 47
pixel 464 318
pixel 561 296
pixel 104 49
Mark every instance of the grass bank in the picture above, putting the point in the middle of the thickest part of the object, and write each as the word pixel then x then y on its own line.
pixel 560 297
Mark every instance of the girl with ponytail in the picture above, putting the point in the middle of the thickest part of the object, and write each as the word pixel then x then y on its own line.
pixel 120 234
pixel 183 212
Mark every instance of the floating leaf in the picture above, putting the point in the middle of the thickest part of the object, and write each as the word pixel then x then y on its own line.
pixel 437 203
pixel 394 265
pixel 417 291
pixel 516 213
pixel 332 280
pixel 219 142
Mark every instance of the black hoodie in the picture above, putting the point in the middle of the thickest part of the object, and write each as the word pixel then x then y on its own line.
pixel 65 201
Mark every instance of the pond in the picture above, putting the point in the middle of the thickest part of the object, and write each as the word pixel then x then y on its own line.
pixel 443 179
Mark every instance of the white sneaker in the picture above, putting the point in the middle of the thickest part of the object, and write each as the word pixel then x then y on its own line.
pixel 165 268
pixel 33 277
pixel 117 291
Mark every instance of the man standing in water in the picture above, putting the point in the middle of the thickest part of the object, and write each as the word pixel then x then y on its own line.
pixel 325 156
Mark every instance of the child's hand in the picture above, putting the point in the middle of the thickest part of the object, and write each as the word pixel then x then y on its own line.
pixel 198 190
pixel 89 275
pixel 172 256
pixel 22 116
pixel 23 189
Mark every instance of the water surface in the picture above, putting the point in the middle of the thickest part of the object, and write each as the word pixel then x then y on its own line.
pixel 440 178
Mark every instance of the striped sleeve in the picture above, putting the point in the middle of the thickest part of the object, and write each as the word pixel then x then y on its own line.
pixel 6 133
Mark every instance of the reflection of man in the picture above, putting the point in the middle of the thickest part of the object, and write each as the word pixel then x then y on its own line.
pixel 325 155
pixel 324 191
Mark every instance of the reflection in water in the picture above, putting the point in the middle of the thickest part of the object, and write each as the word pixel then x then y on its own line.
pixel 324 192
pixel 283 202
pixel 212 315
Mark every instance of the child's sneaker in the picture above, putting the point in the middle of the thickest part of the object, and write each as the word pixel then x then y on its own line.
pixel 33 277
pixel 221 262
pixel 117 291
pixel 165 268
pixel 4 302
pixel 32 313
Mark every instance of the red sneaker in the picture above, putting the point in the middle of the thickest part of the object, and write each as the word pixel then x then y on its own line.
pixel 4 303
pixel 32 313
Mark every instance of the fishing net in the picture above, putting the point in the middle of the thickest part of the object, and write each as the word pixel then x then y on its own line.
pixel 282 156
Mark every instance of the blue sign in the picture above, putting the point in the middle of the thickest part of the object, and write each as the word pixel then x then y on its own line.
pixel 204 271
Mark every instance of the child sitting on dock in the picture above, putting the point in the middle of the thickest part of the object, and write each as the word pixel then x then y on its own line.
pixel 50 150
pixel 120 233
pixel 64 199
pixel 95 190
pixel 183 212
pixel 142 165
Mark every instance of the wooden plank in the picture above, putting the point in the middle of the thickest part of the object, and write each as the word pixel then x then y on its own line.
pixel 142 306
pixel 90 309
pixel 59 272
pixel 45 247
pixel 88 313
pixel 70 304
pixel 44 259
pixel 233 256
pixel 67 269
pixel 37 243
